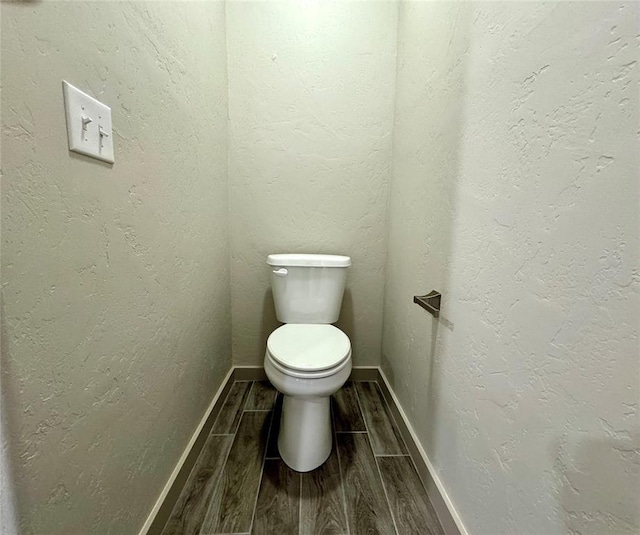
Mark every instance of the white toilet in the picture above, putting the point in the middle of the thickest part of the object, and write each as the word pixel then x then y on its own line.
pixel 307 359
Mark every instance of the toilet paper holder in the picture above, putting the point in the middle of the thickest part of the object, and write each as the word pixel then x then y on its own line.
pixel 430 302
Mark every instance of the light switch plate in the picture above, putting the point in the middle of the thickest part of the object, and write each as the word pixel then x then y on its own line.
pixel 88 124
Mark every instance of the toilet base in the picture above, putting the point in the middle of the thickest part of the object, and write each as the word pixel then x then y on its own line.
pixel 305 437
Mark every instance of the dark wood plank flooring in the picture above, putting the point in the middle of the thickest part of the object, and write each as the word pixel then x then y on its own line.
pixel 367 508
pixel 410 506
pixel 278 501
pixel 322 500
pixel 231 507
pixel 262 397
pixel 240 485
pixel 346 411
pixel 192 505
pixel 384 435
pixel 229 417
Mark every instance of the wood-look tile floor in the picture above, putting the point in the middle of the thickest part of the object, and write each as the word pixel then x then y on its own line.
pixel 240 484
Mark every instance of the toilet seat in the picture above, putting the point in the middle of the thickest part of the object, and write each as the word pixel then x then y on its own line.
pixel 308 350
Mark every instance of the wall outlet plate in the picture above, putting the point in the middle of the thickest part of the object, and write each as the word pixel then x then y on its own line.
pixel 88 124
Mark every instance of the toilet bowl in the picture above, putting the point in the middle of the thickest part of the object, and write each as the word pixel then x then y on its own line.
pixel 307 363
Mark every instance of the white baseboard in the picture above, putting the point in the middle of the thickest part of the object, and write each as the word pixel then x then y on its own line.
pixel 176 471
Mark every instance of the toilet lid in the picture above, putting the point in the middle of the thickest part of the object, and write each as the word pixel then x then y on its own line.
pixel 308 347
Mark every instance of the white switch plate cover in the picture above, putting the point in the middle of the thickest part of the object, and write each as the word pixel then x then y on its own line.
pixel 88 124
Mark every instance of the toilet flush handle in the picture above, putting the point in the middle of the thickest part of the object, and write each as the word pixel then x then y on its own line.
pixel 282 272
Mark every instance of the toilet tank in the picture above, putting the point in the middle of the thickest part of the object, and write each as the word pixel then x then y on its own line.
pixel 308 288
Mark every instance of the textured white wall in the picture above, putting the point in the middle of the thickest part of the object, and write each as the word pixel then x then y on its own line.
pixel 311 88
pixel 116 321
pixel 515 192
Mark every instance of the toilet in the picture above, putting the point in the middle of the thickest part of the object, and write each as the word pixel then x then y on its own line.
pixel 307 358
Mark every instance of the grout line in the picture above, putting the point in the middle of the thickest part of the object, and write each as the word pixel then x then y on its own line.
pixel 224 402
pixel 219 482
pixel 393 419
pixel 246 401
pixel 264 459
pixel 342 484
pixel 386 495
pixel 375 460
pixel 222 434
